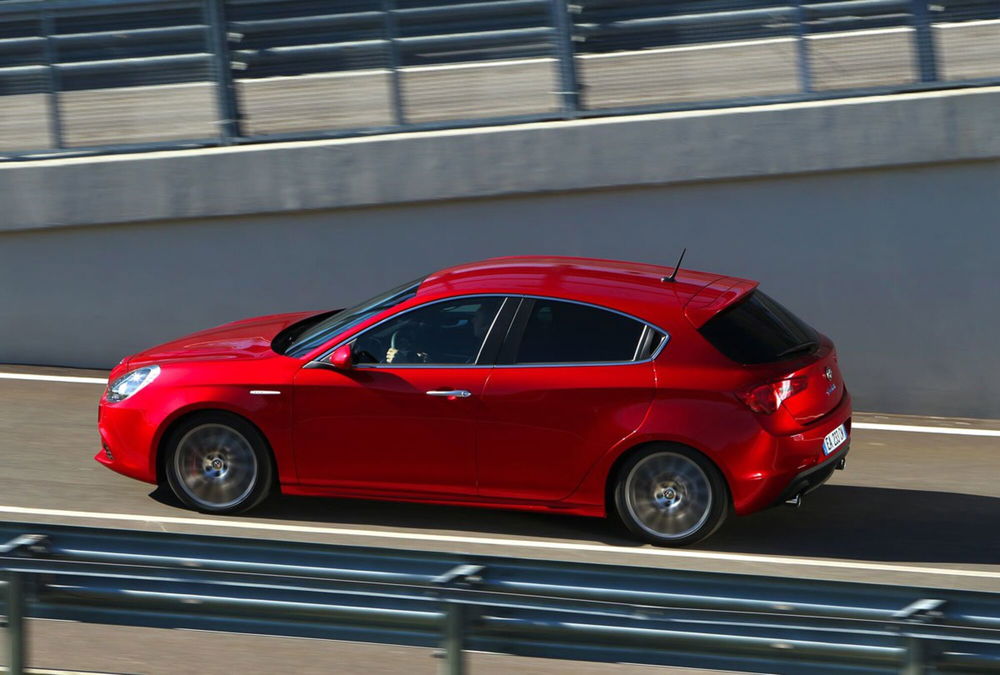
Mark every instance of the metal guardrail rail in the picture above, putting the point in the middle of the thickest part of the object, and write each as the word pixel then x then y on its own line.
pixel 91 76
pixel 458 602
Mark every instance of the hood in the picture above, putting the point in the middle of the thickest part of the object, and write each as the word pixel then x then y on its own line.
pixel 246 339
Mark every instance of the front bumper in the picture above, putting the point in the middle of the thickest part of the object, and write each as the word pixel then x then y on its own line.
pixel 127 439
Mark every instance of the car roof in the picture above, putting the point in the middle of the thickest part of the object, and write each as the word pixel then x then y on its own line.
pixel 633 288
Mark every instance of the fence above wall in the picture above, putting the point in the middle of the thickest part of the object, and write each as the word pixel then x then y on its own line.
pixel 89 76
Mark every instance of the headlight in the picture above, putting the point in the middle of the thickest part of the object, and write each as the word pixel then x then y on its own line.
pixel 129 383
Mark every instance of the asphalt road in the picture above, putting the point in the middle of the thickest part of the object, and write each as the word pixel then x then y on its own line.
pixel 360 99
pixel 920 509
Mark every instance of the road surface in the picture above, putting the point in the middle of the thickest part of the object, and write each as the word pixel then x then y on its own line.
pixel 919 504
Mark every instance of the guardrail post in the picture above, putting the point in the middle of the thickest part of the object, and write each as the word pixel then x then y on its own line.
pixel 452 643
pixel 391 36
pixel 54 81
pixel 569 85
pixel 225 89
pixel 802 44
pixel 914 661
pixel 925 610
pixel 16 634
pixel 924 41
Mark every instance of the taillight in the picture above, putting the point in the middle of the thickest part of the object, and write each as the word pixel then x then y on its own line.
pixel 767 398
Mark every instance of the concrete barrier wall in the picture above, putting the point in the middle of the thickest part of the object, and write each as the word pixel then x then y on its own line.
pixel 897 261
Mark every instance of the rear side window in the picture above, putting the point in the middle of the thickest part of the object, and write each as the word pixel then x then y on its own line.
pixel 759 330
pixel 565 332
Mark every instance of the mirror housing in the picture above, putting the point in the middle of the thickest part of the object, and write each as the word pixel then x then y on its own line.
pixel 342 357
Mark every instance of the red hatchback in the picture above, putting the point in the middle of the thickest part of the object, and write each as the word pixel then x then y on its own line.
pixel 571 385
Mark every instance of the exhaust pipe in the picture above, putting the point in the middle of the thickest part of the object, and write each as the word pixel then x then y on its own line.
pixel 794 502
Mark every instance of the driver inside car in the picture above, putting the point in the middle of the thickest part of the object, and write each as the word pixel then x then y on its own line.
pixel 456 343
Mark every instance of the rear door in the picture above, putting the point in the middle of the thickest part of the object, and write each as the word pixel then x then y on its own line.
pixel 572 380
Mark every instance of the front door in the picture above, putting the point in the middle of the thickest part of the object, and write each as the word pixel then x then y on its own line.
pixel 403 418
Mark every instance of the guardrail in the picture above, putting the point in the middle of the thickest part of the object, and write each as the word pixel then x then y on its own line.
pixel 87 76
pixel 586 612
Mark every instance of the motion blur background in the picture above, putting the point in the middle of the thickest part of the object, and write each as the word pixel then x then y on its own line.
pixel 173 164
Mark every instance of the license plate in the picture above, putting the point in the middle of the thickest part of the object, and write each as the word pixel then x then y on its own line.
pixel 834 439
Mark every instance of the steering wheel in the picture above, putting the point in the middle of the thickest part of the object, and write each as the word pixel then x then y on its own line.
pixel 401 345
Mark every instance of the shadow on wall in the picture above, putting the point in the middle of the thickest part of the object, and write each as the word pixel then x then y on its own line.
pixel 849 522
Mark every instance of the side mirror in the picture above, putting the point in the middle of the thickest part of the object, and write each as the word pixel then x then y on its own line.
pixel 342 357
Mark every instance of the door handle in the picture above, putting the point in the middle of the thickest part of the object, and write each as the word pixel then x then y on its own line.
pixel 450 393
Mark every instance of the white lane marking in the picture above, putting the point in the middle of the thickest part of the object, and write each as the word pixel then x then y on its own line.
pixel 53 378
pixel 969 24
pixel 926 430
pixel 861 33
pixel 505 543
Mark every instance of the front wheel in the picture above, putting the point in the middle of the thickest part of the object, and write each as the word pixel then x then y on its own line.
pixel 218 463
pixel 670 495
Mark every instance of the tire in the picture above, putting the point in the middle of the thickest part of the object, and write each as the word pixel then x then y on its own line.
pixel 218 463
pixel 670 495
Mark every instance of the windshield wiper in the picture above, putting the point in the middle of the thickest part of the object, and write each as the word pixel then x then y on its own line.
pixel 802 347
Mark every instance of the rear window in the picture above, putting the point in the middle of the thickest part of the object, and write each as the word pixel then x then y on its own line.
pixel 759 330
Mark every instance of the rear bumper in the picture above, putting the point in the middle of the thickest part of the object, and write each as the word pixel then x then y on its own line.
pixel 810 479
pixel 797 463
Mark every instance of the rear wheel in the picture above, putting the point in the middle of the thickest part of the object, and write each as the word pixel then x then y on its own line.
pixel 218 463
pixel 670 495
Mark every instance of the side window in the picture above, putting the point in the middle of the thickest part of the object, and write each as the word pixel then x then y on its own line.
pixel 565 332
pixel 447 333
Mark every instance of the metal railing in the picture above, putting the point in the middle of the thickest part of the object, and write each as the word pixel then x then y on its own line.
pixel 85 76
pixel 587 612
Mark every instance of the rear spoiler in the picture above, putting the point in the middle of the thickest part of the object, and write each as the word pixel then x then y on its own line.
pixel 715 297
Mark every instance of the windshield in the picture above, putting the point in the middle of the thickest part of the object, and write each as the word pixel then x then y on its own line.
pixel 324 331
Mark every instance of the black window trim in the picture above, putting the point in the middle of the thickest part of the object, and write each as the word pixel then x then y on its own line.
pixel 487 351
pixel 512 341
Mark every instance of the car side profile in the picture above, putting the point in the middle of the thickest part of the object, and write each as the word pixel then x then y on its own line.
pixel 666 398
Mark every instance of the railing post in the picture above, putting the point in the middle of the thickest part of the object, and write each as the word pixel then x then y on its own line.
pixel 914 661
pixel 924 610
pixel 16 634
pixel 54 81
pixel 453 640
pixel 924 41
pixel 225 89
pixel 802 44
pixel 569 85
pixel 396 83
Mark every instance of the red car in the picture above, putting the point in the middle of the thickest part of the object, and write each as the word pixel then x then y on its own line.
pixel 567 385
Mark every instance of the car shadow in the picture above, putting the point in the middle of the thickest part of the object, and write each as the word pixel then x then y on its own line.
pixel 402 516
pixel 869 523
pixel 836 521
